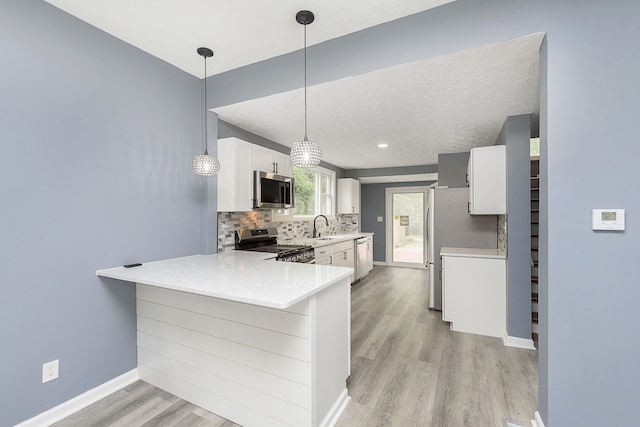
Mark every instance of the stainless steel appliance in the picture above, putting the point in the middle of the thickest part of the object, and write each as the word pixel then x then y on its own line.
pixel 450 224
pixel 364 259
pixel 272 191
pixel 266 240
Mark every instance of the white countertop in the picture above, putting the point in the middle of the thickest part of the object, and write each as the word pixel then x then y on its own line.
pixel 249 277
pixel 472 252
pixel 328 239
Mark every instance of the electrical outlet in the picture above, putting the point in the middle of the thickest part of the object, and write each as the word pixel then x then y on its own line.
pixel 50 370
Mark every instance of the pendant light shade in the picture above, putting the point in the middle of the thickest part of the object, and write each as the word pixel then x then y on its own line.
pixel 305 153
pixel 205 164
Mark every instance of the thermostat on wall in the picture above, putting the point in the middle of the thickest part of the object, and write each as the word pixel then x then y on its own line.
pixel 608 219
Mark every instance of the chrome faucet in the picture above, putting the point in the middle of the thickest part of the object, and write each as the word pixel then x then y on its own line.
pixel 315 232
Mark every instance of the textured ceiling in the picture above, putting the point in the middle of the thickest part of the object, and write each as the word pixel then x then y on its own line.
pixel 446 104
pixel 240 32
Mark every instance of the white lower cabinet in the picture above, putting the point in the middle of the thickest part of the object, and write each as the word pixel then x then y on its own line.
pixel 342 255
pixel 339 254
pixel 323 255
pixel 474 294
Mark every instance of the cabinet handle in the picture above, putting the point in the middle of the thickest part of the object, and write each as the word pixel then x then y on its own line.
pixel 344 255
pixel 331 260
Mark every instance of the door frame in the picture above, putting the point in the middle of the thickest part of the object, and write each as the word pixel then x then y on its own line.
pixel 389 191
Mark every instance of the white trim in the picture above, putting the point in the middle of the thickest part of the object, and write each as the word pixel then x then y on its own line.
pixel 526 343
pixel 384 264
pixel 81 401
pixel 388 202
pixel 537 421
pixel 336 410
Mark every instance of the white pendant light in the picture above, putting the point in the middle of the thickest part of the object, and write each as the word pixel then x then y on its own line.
pixel 205 164
pixel 305 153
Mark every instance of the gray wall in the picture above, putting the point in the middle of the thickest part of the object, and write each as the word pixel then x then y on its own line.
pixel 587 308
pixel 452 169
pixel 372 205
pixel 97 143
pixel 516 134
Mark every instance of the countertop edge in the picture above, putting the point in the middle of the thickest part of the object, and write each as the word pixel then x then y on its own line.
pixel 472 253
pixel 117 274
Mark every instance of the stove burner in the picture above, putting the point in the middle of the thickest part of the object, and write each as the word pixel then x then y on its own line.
pixel 265 240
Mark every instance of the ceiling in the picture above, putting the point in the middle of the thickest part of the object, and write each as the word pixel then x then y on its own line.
pixel 444 104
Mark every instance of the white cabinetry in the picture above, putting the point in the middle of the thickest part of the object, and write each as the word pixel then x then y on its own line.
pixel 267 160
pixel 474 294
pixel 235 179
pixel 323 255
pixel 369 259
pixel 348 196
pixel 238 160
pixel 486 174
pixel 338 254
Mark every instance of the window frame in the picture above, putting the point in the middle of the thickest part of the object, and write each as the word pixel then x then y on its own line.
pixel 319 171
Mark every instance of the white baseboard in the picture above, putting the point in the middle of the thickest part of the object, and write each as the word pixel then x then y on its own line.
pixel 72 406
pixel 379 263
pixel 526 343
pixel 537 420
pixel 336 410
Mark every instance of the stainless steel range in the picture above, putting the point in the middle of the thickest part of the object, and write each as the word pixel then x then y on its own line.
pixel 266 240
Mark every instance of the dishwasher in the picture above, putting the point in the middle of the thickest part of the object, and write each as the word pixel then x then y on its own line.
pixel 361 258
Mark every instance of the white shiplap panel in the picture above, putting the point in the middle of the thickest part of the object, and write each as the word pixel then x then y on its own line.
pixel 247 376
pixel 286 345
pixel 262 317
pixel 234 392
pixel 276 364
pixel 215 403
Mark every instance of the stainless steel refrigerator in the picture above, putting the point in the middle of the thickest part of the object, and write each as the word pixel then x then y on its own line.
pixel 449 224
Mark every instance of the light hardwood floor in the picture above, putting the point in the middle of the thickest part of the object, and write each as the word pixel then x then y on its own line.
pixel 407 369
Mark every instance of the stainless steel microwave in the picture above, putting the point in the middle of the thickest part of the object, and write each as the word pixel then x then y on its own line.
pixel 272 191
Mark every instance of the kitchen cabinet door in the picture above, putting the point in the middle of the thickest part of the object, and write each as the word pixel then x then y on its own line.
pixel 235 178
pixel 487 178
pixel 369 259
pixel 323 255
pixel 267 160
pixel 474 295
pixel 348 196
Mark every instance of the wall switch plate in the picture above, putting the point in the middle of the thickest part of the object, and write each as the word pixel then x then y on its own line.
pixel 607 219
pixel 50 370
pixel 379 219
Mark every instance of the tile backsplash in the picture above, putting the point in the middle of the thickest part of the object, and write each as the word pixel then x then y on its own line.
pixel 229 222
pixel 502 233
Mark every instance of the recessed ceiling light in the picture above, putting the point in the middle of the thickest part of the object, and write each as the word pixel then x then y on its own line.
pixel 383 145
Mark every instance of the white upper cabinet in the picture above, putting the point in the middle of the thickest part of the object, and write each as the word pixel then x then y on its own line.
pixel 348 196
pixel 238 160
pixel 487 177
pixel 235 178
pixel 266 160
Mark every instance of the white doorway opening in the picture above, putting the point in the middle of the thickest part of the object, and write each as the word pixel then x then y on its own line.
pixel 406 210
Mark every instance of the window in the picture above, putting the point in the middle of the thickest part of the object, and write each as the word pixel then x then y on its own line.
pixel 314 194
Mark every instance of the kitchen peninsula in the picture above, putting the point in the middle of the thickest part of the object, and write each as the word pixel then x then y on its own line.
pixel 259 342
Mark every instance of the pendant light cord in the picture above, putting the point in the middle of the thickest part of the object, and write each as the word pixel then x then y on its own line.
pixel 205 107
pixel 305 82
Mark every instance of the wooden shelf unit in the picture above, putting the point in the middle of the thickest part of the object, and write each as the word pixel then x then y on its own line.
pixel 535 220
